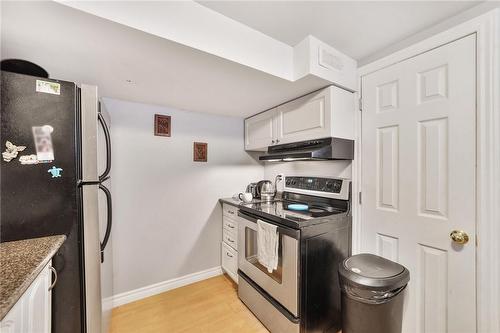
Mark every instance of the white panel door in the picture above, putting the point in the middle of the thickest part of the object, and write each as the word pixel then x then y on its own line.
pixel 418 181
pixel 260 131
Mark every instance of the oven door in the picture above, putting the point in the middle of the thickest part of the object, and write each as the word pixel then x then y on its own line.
pixel 282 283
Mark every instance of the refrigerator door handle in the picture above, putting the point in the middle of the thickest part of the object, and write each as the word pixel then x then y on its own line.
pixel 107 138
pixel 109 219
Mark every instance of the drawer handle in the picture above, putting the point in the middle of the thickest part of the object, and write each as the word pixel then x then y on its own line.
pixel 229 254
pixel 230 212
pixel 230 226
pixel 55 277
pixel 229 239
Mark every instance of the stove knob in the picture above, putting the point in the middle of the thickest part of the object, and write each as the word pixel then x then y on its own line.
pixel 337 186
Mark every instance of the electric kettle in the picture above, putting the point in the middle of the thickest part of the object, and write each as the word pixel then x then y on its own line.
pixel 265 190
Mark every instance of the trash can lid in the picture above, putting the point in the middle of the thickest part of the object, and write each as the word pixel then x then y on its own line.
pixel 370 271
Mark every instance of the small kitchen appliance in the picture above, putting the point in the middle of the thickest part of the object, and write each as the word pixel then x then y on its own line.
pixel 265 190
pixel 313 220
pixel 252 188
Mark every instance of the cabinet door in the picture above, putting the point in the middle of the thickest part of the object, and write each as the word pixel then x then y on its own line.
pixel 38 303
pixel 260 131
pixel 305 118
pixel 32 312
pixel 229 261
pixel 13 322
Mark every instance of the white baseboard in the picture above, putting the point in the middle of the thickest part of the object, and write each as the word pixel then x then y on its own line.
pixel 160 287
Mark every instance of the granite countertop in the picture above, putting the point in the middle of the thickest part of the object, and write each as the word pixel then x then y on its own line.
pixel 20 263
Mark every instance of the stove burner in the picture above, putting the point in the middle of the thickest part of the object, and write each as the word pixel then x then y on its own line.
pixel 298 207
pixel 310 209
pixel 287 208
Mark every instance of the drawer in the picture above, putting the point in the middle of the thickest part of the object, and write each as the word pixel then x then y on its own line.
pixel 229 261
pixel 230 238
pixel 229 224
pixel 229 210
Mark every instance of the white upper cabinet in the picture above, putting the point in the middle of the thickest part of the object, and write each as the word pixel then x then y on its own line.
pixel 260 130
pixel 304 118
pixel 325 113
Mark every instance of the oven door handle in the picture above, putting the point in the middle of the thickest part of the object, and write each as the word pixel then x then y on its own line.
pixel 281 229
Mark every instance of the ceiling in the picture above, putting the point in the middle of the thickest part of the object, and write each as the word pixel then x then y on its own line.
pixel 129 64
pixel 75 46
pixel 357 28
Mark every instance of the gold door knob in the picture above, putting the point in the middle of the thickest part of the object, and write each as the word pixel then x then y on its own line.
pixel 459 236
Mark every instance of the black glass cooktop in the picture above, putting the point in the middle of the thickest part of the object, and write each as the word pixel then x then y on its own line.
pixel 284 209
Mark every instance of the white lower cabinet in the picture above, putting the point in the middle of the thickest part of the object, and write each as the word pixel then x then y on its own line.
pixel 229 245
pixel 230 237
pixel 32 312
pixel 230 261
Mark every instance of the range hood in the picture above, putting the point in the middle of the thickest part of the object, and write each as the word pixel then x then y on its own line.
pixel 311 150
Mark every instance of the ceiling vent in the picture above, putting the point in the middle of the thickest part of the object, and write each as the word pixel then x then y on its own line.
pixel 329 60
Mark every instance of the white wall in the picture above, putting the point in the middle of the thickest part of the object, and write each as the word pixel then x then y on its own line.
pixel 167 220
pixel 342 169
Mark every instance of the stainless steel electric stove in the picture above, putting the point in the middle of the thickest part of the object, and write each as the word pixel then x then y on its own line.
pixel 314 225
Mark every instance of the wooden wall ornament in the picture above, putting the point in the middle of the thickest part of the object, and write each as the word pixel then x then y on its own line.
pixel 162 125
pixel 200 151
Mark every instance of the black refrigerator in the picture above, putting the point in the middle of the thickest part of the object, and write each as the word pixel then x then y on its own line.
pixel 49 186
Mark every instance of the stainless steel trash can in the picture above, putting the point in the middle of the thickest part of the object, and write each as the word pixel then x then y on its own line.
pixel 372 294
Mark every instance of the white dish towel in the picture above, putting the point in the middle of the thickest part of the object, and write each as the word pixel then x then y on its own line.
pixel 267 245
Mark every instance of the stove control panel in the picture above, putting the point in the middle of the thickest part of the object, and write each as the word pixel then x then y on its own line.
pixel 314 184
pixel 337 188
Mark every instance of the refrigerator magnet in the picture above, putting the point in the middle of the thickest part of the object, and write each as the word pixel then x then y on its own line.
pixel 43 143
pixel 11 151
pixel 28 159
pixel 48 87
pixel 55 171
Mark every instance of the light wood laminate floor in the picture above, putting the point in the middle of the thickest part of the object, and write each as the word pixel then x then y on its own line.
pixel 208 306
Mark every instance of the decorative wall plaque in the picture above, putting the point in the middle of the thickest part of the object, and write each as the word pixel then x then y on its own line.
pixel 162 125
pixel 200 152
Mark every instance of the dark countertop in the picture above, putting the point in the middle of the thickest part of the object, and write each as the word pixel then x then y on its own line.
pixel 237 203
pixel 20 263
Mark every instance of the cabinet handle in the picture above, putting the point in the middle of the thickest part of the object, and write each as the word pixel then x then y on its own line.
pixel 229 254
pixel 55 277
pixel 272 142
pixel 230 226
pixel 229 239
pixel 230 212
pixel 277 140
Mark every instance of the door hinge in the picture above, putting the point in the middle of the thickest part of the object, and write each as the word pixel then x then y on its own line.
pixel 360 104
pixel 359 198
